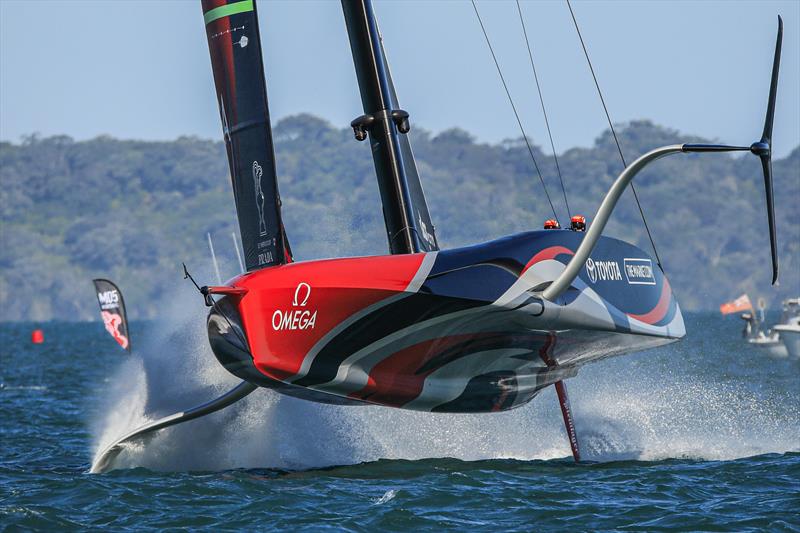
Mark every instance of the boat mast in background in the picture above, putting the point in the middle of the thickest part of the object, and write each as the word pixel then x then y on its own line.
pixel 238 254
pixel 214 259
pixel 408 223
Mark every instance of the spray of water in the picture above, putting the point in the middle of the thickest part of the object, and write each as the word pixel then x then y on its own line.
pixel 628 415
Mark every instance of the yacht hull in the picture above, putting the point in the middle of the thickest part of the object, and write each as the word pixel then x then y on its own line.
pixel 461 330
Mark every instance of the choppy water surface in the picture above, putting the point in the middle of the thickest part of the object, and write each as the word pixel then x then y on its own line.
pixel 703 434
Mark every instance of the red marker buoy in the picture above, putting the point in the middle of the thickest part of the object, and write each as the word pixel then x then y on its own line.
pixel 37 336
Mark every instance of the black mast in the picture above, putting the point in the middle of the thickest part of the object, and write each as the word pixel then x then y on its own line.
pixel 408 222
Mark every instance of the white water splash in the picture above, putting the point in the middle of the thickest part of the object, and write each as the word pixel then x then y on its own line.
pixel 655 418
pixel 620 415
pixel 387 496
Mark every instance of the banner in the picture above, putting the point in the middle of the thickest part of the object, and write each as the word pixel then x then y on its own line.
pixel 112 311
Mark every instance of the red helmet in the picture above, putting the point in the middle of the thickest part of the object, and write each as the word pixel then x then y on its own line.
pixel 578 223
pixel 551 223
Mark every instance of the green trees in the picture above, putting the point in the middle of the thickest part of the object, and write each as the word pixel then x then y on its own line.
pixel 133 210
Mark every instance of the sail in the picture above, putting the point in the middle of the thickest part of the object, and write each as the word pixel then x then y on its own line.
pixel 408 222
pixel 112 311
pixel 235 47
pixel 419 207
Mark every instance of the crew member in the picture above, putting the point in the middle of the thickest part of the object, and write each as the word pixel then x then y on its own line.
pixel 551 223
pixel 577 223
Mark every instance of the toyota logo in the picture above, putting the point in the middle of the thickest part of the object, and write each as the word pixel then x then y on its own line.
pixel 591 270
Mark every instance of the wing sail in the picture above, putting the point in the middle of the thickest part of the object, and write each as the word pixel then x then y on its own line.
pixel 405 211
pixel 112 311
pixel 421 217
pixel 236 60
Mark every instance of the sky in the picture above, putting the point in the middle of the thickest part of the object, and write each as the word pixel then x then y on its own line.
pixel 140 69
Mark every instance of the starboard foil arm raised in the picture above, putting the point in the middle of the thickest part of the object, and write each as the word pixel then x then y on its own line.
pixel 761 148
pixel 236 59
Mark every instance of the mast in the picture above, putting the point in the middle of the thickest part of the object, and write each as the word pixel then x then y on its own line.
pixel 408 223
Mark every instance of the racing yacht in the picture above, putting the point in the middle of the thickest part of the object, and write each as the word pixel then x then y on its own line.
pixel 482 328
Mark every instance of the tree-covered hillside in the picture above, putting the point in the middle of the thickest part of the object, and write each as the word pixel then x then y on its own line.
pixel 132 211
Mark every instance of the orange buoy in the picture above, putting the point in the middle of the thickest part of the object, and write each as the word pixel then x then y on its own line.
pixel 37 336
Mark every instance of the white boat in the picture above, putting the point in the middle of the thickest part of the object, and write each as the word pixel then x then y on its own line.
pixel 770 339
pixel 790 336
pixel 789 328
pixel 753 332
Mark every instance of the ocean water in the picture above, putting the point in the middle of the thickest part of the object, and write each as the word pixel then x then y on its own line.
pixel 703 434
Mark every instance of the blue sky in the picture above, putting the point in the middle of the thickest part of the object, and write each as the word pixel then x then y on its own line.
pixel 141 69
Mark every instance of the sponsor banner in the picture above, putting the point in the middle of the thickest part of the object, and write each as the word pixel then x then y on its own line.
pixel 639 271
pixel 112 311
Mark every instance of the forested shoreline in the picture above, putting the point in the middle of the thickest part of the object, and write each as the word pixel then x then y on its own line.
pixel 132 211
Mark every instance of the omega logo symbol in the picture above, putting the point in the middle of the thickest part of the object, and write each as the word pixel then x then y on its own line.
pixel 301 294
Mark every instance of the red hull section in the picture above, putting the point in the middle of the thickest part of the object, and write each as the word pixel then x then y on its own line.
pixel 290 308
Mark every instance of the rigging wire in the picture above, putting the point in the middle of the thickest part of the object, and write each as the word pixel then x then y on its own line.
pixel 514 108
pixel 614 133
pixel 211 302
pixel 544 112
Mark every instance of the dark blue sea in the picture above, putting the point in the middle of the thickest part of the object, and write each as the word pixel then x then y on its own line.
pixel 703 434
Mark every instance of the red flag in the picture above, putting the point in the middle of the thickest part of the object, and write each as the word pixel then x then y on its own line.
pixel 742 303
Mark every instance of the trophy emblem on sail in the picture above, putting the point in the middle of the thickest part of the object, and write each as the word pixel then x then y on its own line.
pixel 257 172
